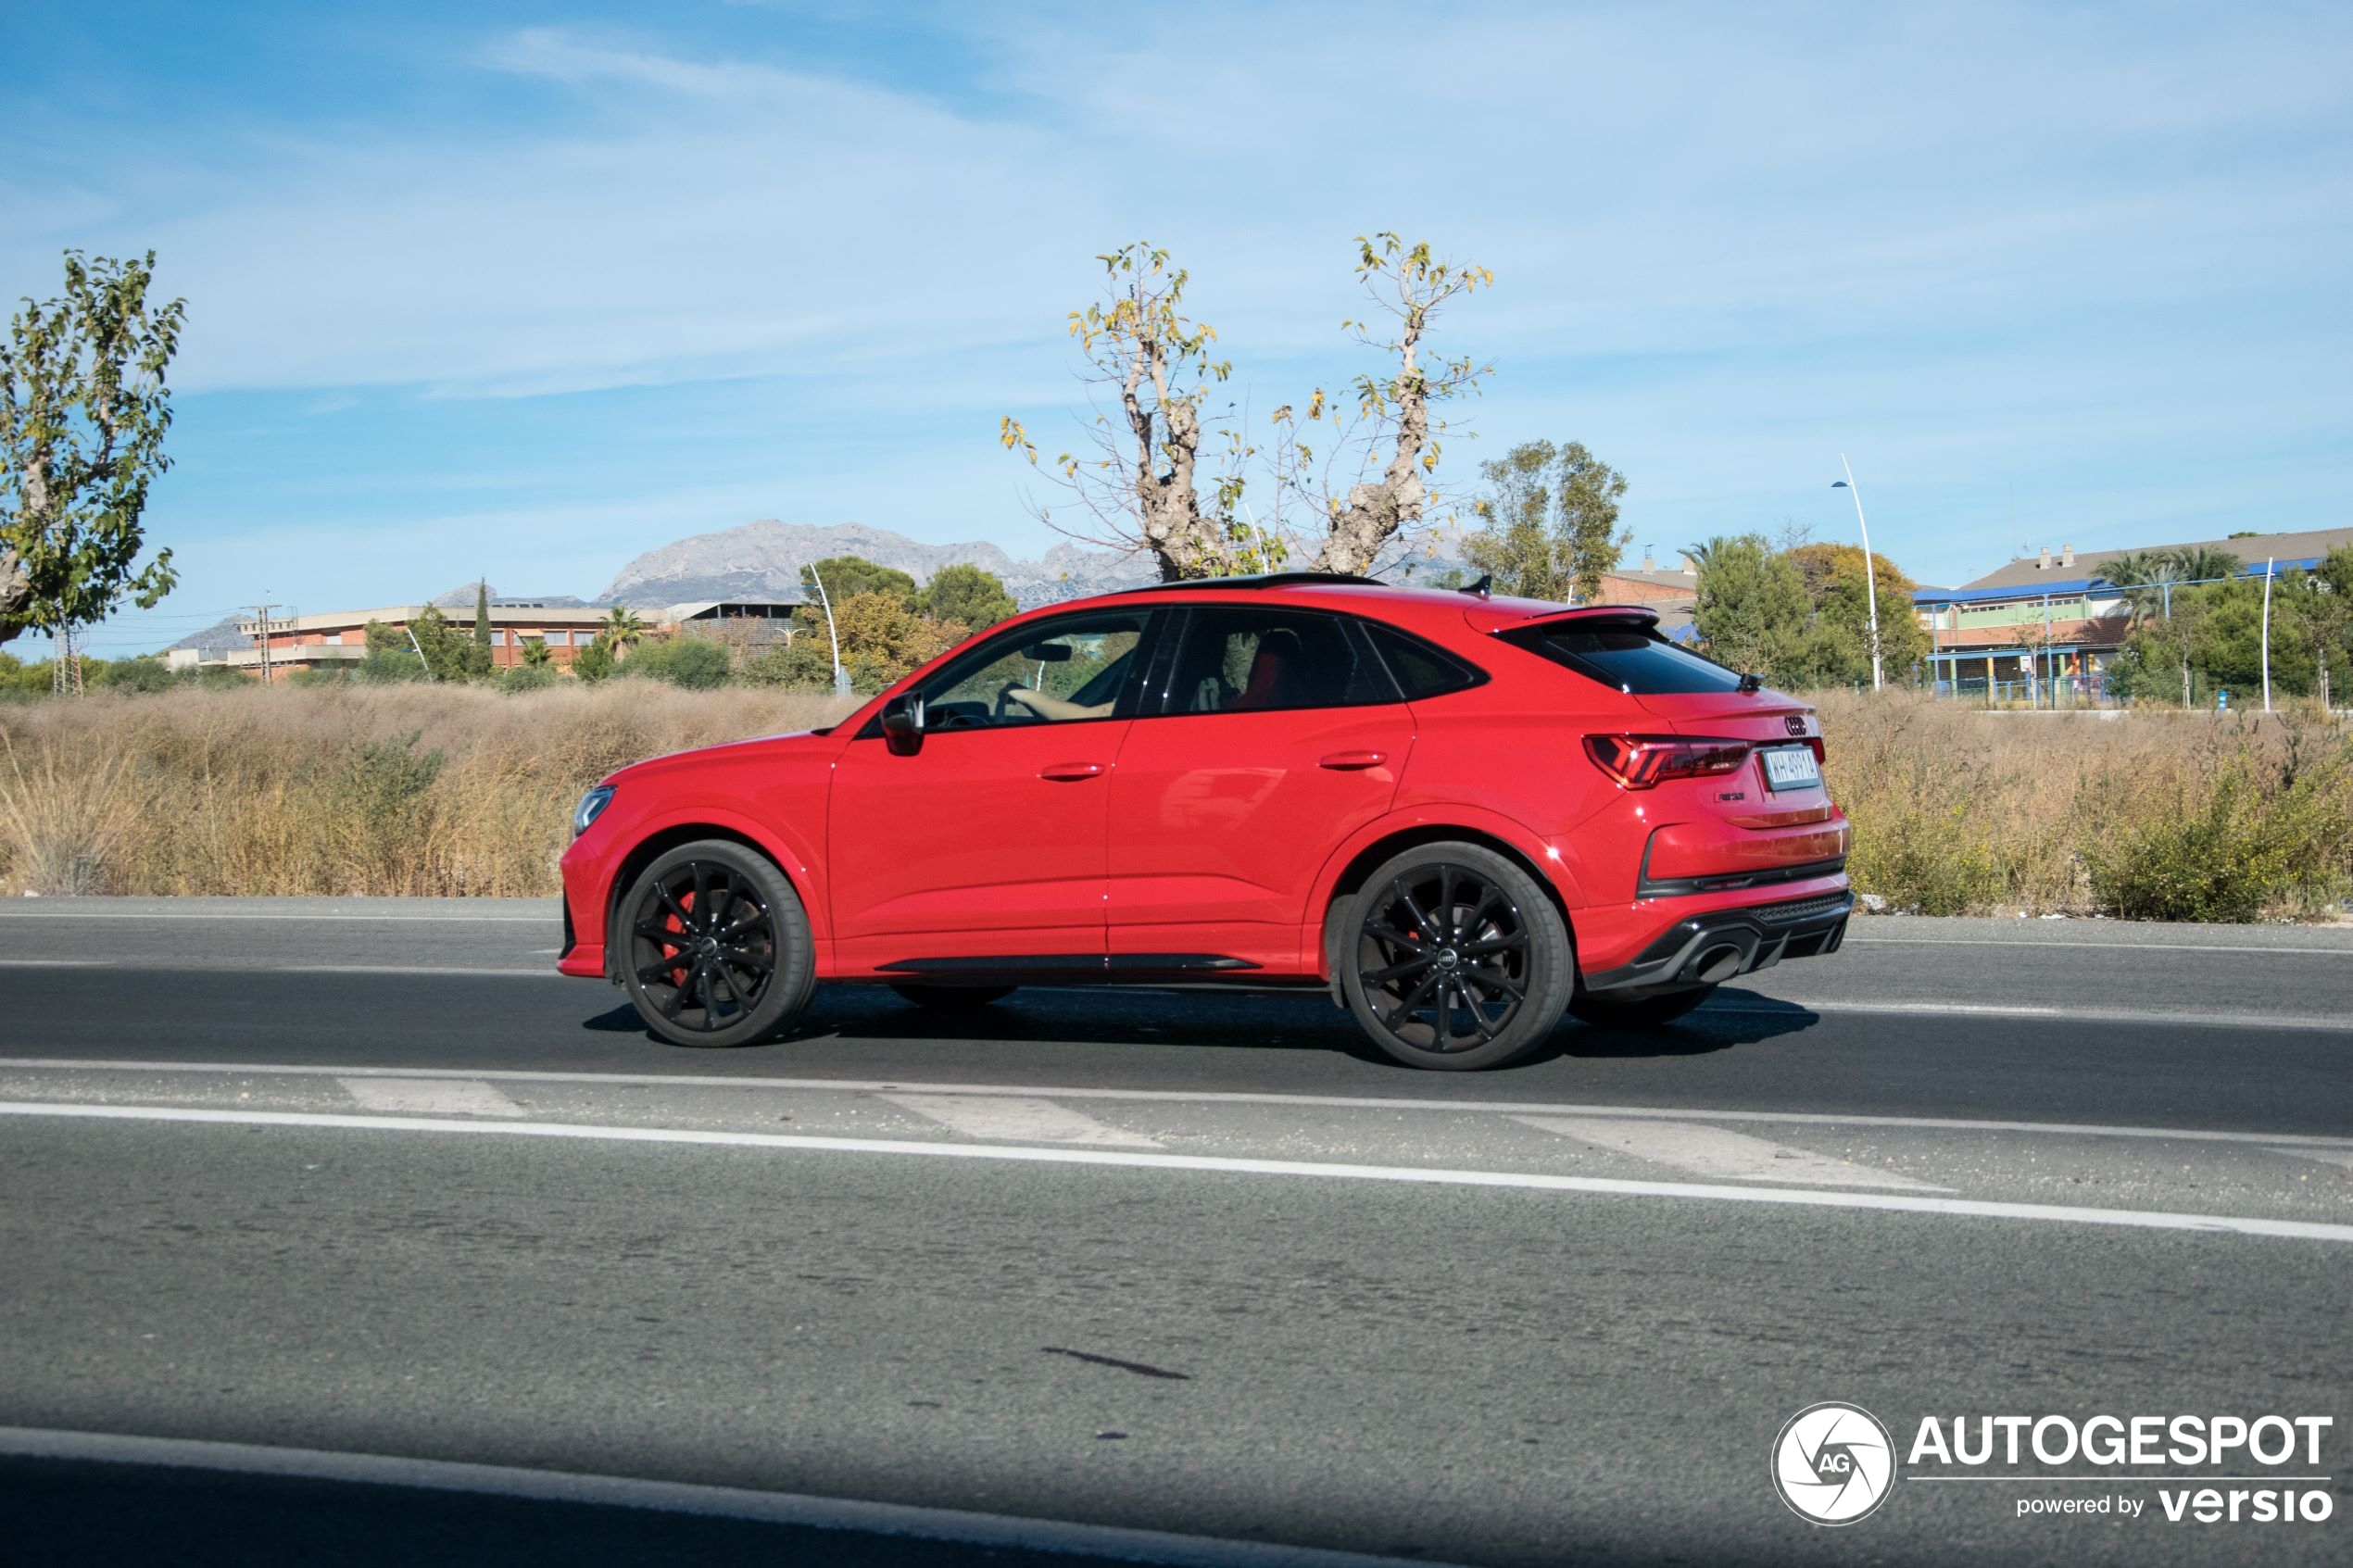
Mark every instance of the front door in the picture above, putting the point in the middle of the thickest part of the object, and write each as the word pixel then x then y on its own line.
pixel 1276 734
pixel 988 840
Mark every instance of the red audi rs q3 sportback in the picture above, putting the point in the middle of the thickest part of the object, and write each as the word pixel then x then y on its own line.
pixel 1461 814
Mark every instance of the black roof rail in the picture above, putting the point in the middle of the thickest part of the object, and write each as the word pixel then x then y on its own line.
pixel 1259 579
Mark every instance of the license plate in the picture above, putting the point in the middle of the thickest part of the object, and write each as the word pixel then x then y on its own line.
pixel 1791 767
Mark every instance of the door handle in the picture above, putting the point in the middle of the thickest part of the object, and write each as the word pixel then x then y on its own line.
pixel 1067 772
pixel 1349 762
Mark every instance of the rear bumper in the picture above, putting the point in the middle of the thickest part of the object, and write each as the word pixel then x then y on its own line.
pixel 1714 946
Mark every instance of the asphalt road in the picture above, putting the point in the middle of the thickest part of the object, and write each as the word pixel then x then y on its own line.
pixel 335 1180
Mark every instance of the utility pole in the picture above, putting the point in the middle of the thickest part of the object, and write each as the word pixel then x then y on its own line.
pixel 842 676
pixel 2267 633
pixel 1870 569
pixel 261 638
pixel 65 672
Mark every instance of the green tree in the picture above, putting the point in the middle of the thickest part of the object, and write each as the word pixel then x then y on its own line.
pixel 448 649
pixel 1549 521
pixel 389 658
pixel 83 409
pixel 1515 543
pixel 967 595
pixel 594 662
pixel 1752 611
pixel 479 662
pixel 1837 649
pixel 1588 542
pixel 848 576
pixel 536 654
pixel 2327 612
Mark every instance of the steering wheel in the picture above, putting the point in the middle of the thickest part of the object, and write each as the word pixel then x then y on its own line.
pixel 1007 708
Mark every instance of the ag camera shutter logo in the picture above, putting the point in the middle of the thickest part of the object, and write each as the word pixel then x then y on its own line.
pixel 1834 1463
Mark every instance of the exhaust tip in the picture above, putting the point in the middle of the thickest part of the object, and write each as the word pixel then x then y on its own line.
pixel 1720 963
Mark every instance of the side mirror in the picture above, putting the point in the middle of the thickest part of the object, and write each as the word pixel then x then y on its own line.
pixel 902 723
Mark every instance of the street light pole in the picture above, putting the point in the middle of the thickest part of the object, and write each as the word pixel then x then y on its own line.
pixel 842 676
pixel 1870 571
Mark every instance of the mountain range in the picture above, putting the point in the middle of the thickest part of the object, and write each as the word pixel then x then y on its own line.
pixel 763 559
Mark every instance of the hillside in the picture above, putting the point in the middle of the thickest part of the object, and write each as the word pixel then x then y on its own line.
pixel 763 560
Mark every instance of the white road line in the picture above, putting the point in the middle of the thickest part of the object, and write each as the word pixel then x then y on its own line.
pixel 2330 1156
pixel 1775 1008
pixel 2061 942
pixel 1179 1096
pixel 547 973
pixel 671 1496
pixel 15 912
pixel 437 1097
pixel 2134 1218
pixel 1017 1119
pixel 1720 1155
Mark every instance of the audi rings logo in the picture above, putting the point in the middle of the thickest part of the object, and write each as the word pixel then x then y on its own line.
pixel 1834 1463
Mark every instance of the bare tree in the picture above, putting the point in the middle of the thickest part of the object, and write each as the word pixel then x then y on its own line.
pixel 1396 430
pixel 1141 488
pixel 1136 491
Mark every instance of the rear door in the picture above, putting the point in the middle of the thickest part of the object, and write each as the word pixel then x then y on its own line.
pixel 1269 736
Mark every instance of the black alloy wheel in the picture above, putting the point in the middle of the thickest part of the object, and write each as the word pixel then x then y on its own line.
pixel 1455 959
pixel 714 945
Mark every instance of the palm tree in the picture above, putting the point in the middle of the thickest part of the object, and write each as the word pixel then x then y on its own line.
pixel 2199 563
pixel 2144 579
pixel 534 652
pixel 622 629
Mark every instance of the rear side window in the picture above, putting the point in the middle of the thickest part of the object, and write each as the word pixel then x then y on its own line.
pixel 1249 660
pixel 1633 660
pixel 1421 670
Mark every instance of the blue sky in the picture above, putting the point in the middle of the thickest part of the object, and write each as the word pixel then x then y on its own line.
pixel 522 290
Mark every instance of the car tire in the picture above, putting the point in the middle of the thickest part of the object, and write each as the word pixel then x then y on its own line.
pixel 1453 934
pixel 700 970
pixel 953 998
pixel 1646 1013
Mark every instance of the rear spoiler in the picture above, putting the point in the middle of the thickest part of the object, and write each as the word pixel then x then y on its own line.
pixel 1503 615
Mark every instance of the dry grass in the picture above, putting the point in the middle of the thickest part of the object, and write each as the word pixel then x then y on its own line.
pixel 2151 815
pixel 451 790
pixel 334 790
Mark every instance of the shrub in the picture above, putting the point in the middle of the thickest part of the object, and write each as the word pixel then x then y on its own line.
pixel 2248 834
pixel 525 678
pixel 146 674
pixel 683 661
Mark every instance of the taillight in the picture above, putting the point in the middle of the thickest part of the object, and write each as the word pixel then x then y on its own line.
pixel 1641 762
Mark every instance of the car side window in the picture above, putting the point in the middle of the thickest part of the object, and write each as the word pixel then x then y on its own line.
pixel 1422 670
pixel 1246 659
pixel 1056 671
